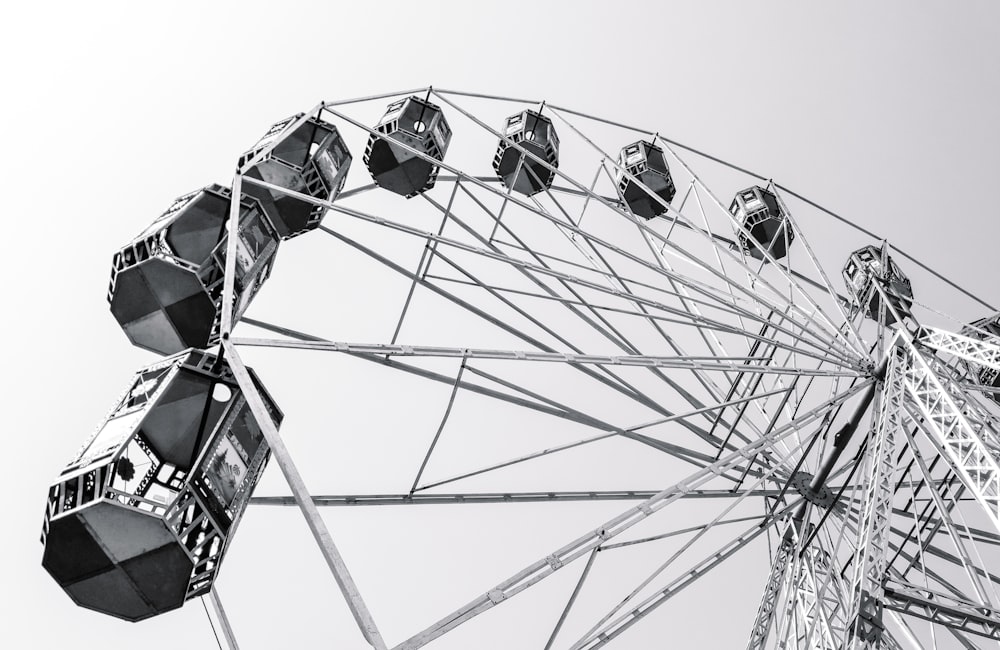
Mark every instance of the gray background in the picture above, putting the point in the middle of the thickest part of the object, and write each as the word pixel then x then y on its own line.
pixel 885 112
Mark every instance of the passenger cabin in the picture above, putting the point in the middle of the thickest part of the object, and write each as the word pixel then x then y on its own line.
pixel 527 131
pixel 653 186
pixel 863 269
pixel 985 329
pixel 166 286
pixel 765 222
pixel 306 156
pixel 140 520
pixel 415 123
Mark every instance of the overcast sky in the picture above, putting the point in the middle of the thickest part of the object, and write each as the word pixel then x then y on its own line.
pixel 883 112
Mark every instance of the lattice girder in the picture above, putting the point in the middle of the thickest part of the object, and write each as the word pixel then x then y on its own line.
pixel 943 609
pixel 821 613
pixel 956 429
pixel 770 600
pixel 870 559
pixel 979 352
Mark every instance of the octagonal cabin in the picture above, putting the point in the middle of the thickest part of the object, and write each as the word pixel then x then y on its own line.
pixel 647 163
pixel 863 269
pixel 140 520
pixel 305 156
pixel 985 329
pixel 760 213
pixel 166 286
pixel 415 123
pixel 532 132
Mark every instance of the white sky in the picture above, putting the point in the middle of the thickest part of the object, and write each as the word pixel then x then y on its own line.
pixel 884 113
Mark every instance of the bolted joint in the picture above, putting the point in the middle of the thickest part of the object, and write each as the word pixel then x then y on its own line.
pixel 819 495
pixel 868 626
pixel 919 335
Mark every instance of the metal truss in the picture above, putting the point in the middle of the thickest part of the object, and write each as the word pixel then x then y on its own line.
pixel 735 366
pixel 423 498
pixel 921 389
pixel 583 545
pixel 732 364
pixel 873 532
pixel 978 351
pixel 956 429
pixel 334 560
pixel 804 590
pixel 776 583
pixel 942 609
pixel 820 604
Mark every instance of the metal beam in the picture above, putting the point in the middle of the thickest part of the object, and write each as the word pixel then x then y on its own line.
pixel 769 601
pixel 643 609
pixel 421 498
pixel 316 524
pixel 870 557
pixel 728 364
pixel 220 614
pixel 955 430
pixel 944 512
pixel 748 172
pixel 572 598
pixel 821 345
pixel 694 258
pixel 537 571
pixel 943 609
pixel 977 351
pixel 822 623
pixel 738 226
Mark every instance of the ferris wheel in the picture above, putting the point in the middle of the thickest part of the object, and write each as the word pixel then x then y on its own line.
pixel 550 271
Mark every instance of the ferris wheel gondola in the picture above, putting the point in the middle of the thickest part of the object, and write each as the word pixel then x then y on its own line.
pixel 595 281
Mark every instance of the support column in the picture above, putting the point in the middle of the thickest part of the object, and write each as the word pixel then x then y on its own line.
pixel 867 588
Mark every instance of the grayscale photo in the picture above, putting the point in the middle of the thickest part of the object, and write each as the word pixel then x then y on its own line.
pixel 501 326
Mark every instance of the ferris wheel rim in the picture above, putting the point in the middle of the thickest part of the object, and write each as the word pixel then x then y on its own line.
pixel 796 331
pixel 463 352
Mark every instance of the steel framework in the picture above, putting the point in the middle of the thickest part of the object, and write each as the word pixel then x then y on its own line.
pixel 680 335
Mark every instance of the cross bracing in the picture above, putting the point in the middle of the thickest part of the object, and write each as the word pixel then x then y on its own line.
pixel 575 325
